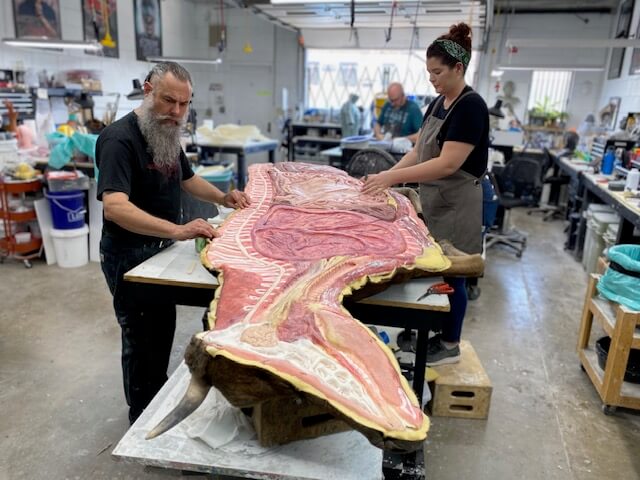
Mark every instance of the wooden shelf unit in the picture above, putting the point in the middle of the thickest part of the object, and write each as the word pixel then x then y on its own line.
pixel 621 324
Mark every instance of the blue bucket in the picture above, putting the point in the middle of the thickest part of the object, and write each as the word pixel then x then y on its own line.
pixel 67 209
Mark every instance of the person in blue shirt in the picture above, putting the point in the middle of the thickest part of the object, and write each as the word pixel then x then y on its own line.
pixel 400 117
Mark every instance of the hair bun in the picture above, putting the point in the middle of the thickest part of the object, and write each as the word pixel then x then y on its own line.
pixel 461 34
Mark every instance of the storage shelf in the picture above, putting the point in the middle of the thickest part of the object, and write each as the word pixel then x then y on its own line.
pixel 306 138
pixel 12 187
pixel 18 216
pixel 629 392
pixel 621 324
pixel 606 313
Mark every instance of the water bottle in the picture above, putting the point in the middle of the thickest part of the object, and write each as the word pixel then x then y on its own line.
pixel 608 161
pixel 633 179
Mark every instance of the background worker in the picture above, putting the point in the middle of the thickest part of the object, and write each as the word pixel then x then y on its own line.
pixel 142 171
pixel 448 160
pixel 399 117
pixel 350 117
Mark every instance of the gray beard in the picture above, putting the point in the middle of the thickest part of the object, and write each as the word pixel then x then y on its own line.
pixel 163 140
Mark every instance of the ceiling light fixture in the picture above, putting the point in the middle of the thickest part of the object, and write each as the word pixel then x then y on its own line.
pixel 210 61
pixel 43 42
pixel 553 69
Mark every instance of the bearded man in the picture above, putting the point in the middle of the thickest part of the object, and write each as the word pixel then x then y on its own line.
pixel 142 169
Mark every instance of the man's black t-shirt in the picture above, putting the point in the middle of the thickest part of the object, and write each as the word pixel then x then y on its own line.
pixel 125 165
pixel 468 123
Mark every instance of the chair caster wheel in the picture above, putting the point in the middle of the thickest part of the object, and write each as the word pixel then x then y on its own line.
pixel 519 254
pixel 608 409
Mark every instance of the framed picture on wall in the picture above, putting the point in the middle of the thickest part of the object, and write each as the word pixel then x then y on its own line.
pixel 100 21
pixel 37 18
pixel 609 114
pixel 148 28
pixel 624 19
pixel 634 68
pixel 615 63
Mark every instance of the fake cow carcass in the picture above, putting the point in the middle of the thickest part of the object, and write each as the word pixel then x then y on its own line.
pixel 277 324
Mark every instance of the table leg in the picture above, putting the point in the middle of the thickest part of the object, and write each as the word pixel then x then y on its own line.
pixel 625 232
pixel 272 156
pixel 420 365
pixel 242 170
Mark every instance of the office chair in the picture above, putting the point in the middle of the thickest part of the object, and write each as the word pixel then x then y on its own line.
pixel 518 184
pixel 552 209
pixel 368 161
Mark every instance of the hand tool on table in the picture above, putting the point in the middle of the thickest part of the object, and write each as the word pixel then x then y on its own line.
pixel 441 288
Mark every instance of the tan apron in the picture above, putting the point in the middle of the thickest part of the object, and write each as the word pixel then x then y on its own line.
pixel 451 206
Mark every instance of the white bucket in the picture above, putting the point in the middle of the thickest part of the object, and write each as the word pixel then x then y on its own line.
pixel 71 246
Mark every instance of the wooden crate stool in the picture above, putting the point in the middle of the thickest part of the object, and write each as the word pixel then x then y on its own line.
pixel 462 389
pixel 283 420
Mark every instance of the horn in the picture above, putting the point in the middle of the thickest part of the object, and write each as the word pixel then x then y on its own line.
pixel 193 397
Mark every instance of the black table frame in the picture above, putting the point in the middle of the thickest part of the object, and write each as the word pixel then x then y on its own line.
pixel 241 152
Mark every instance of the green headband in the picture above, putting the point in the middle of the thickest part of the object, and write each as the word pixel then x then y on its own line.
pixel 455 50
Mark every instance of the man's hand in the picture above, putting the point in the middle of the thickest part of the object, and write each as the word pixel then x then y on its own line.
pixel 376 183
pixel 236 199
pixel 195 228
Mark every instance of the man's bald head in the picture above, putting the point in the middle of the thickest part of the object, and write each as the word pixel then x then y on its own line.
pixel 395 94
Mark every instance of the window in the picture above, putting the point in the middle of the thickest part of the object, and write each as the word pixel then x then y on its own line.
pixel 334 74
pixel 313 73
pixel 550 90
pixel 348 74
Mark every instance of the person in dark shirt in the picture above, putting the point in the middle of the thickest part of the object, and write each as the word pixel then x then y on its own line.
pixel 142 170
pixel 448 161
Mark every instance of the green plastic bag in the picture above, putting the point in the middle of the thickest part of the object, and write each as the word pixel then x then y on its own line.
pixel 621 282
pixel 65 146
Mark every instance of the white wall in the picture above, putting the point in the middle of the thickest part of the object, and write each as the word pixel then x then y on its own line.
pixel 251 84
pixel 626 87
pixel 587 84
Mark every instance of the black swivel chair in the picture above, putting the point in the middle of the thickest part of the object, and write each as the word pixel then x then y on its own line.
pixel 518 184
pixel 552 209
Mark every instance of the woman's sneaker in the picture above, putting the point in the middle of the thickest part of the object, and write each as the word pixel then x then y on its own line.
pixel 438 354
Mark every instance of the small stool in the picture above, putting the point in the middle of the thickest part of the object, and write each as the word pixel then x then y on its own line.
pixel 462 389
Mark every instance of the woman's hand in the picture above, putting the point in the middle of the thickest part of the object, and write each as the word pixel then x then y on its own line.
pixel 236 199
pixel 377 183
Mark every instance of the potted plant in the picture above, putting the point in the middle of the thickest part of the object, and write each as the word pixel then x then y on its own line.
pixel 543 113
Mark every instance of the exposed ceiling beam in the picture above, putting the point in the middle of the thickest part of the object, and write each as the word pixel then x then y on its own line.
pixel 572 42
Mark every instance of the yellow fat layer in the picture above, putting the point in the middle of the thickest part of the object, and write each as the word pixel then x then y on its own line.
pixel 408 435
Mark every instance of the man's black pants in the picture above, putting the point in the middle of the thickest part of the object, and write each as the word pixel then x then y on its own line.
pixel 147 320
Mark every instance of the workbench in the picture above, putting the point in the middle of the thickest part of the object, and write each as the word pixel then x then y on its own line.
pixel 589 187
pixel 178 267
pixel 240 150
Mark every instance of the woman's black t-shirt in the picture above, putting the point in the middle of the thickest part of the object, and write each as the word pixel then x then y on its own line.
pixel 468 123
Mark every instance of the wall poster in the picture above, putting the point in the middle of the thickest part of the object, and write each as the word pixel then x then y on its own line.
pixel 148 28
pixel 37 18
pixel 100 20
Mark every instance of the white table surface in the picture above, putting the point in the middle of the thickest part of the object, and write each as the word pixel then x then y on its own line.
pixel 179 265
pixel 341 456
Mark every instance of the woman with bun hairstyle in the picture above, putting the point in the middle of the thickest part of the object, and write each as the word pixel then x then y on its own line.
pixel 448 161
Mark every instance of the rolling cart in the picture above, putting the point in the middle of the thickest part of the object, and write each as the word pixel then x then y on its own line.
pixel 11 244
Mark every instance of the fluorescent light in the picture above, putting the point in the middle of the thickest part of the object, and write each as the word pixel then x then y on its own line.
pixel 51 43
pixel 572 42
pixel 497 73
pixel 210 61
pixel 553 69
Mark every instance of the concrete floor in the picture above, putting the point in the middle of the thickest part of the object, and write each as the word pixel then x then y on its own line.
pixel 62 408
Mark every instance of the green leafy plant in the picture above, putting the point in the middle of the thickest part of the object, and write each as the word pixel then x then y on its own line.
pixel 546 112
